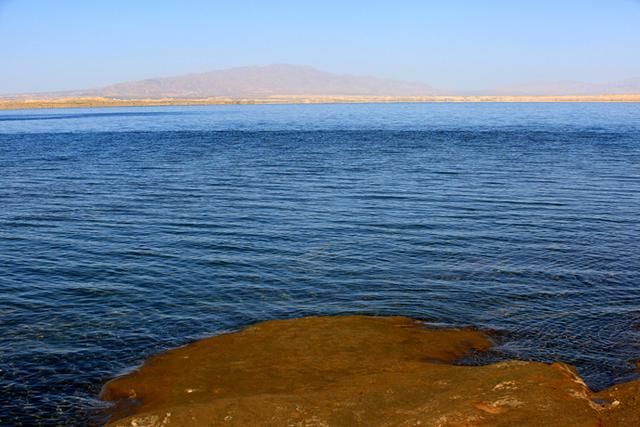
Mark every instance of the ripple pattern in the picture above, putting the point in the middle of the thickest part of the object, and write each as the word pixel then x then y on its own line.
pixel 117 245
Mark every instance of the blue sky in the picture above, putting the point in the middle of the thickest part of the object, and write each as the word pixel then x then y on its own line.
pixel 71 44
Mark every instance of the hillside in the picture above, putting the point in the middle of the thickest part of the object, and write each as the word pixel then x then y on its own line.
pixel 261 81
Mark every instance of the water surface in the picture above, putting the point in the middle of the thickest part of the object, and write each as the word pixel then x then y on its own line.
pixel 127 231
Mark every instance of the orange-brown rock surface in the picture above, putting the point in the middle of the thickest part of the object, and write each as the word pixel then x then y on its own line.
pixel 357 371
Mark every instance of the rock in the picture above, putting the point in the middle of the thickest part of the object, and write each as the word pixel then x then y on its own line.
pixel 357 371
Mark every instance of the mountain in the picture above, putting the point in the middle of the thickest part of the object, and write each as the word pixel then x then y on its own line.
pixel 568 87
pixel 263 81
pixel 303 82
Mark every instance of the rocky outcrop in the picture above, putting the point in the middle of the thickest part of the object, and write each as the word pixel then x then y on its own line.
pixel 357 371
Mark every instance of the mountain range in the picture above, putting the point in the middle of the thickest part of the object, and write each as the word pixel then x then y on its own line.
pixel 569 87
pixel 284 80
pixel 262 81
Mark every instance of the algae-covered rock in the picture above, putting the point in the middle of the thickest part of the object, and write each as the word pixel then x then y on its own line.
pixel 356 371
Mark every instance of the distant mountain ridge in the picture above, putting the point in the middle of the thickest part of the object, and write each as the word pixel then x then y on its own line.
pixel 262 81
pixel 570 87
pixel 291 81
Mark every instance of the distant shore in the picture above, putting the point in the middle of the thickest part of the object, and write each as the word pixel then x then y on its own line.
pixel 18 103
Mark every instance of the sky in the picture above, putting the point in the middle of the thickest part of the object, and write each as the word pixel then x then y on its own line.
pixel 48 45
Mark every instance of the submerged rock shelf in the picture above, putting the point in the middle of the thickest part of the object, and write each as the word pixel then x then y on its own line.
pixel 357 371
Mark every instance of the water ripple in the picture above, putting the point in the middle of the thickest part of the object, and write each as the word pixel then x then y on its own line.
pixel 117 245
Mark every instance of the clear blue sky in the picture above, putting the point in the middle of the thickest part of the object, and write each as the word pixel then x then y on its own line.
pixel 70 44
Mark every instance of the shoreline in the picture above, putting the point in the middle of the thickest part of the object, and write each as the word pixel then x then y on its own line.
pixel 24 103
pixel 357 370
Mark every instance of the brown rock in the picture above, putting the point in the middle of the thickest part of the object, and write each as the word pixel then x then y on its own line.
pixel 357 371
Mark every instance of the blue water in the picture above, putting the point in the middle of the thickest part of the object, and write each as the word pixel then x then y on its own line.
pixel 124 232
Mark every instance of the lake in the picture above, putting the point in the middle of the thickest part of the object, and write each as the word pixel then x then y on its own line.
pixel 128 231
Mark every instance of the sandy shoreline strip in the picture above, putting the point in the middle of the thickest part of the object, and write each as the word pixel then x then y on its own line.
pixel 18 103
pixel 357 371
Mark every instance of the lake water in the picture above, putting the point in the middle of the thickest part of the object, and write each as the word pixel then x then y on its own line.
pixel 128 231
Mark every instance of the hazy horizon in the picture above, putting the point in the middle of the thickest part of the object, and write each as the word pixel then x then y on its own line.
pixel 75 45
